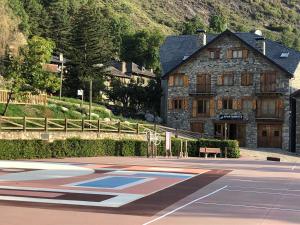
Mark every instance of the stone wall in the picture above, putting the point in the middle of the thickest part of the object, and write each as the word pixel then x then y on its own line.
pixel 255 64
pixel 63 135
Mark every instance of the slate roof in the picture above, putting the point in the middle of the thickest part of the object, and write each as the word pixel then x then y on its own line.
pixel 176 48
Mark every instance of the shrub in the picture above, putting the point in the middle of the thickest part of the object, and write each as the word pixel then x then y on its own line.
pixel 37 149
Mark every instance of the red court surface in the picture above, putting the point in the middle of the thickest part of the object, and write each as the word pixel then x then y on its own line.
pixel 140 191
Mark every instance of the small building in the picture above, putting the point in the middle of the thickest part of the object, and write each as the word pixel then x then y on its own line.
pixel 231 85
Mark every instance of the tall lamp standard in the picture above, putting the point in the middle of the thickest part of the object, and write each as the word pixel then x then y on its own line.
pixel 61 59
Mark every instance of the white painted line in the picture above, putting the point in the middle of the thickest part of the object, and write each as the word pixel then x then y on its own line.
pixel 262 192
pixel 183 206
pixel 271 189
pixel 249 206
pixel 252 181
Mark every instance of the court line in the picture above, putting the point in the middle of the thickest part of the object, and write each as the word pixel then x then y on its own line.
pixel 183 206
pixel 261 192
pixel 249 206
pixel 261 188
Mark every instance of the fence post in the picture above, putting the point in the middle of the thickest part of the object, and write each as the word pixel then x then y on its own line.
pixel 24 123
pixel 82 125
pixel 99 126
pixel 66 124
pixel 138 128
pixel 155 127
pixel 0 123
pixel 46 124
pixel 119 127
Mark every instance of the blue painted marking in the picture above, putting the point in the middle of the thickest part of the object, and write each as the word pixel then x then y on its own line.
pixel 111 182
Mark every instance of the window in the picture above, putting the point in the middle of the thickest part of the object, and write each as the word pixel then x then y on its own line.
pixel 197 127
pixel 268 107
pixel 178 104
pixel 203 83
pixel 178 80
pixel 247 104
pixel 228 79
pixel 276 133
pixel 203 106
pixel 227 103
pixel 246 79
pixel 237 54
pixel 214 53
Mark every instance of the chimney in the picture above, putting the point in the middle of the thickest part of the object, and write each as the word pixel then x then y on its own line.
pixel 201 37
pixel 123 67
pixel 261 44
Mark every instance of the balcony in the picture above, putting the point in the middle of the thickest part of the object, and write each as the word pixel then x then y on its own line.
pixel 271 115
pixel 269 90
pixel 202 90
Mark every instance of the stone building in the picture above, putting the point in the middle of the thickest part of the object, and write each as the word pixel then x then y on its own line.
pixel 231 85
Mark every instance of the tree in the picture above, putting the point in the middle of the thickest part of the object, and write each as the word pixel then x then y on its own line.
pixel 25 72
pixel 92 44
pixel 218 23
pixel 60 24
pixel 142 48
pixel 191 26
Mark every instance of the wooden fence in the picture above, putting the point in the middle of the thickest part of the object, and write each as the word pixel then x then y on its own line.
pixel 40 99
pixel 82 125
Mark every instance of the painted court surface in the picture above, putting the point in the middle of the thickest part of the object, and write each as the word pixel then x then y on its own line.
pixel 139 191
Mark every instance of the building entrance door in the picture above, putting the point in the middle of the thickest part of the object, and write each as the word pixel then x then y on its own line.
pixel 234 131
pixel 269 136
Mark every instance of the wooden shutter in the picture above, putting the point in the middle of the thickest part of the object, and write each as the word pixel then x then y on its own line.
pixel 185 103
pixel 234 104
pixel 171 81
pixel 219 103
pixel 220 80
pixel 254 104
pixel 239 104
pixel 229 54
pixel 211 107
pixel 250 79
pixel 218 53
pixel 186 81
pixel 194 113
pixel 280 107
pixel 245 53
pixel 170 104
pixel 244 79
pixel 262 81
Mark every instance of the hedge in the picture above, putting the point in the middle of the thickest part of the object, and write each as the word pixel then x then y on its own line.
pixel 38 149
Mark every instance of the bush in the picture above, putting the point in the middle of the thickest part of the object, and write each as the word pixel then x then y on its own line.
pixel 37 149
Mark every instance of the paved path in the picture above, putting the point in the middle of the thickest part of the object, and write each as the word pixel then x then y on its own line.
pixel 253 192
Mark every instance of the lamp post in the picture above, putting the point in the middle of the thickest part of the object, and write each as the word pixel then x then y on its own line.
pixel 61 59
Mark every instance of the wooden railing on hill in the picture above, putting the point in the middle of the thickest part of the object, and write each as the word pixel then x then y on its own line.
pixel 83 125
pixel 40 99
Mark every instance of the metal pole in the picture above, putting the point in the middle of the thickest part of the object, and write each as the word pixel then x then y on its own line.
pixel 61 75
pixel 91 97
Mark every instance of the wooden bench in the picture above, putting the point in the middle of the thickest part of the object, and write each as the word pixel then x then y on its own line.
pixel 207 151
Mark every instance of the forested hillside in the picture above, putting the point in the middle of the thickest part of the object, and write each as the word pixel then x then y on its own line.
pixel 279 20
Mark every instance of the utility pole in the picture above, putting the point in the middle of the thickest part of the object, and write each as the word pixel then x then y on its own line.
pixel 91 98
pixel 61 59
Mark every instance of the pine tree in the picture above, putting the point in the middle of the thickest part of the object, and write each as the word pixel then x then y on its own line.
pixel 60 24
pixel 92 44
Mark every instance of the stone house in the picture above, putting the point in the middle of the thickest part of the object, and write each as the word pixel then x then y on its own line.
pixel 231 85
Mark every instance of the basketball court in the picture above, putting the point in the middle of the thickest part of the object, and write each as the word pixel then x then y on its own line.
pixel 143 191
